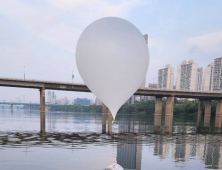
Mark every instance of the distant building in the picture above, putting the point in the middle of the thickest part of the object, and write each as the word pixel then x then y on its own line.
pixel 151 85
pixel 98 102
pixel 49 97
pixel 217 74
pixel 65 101
pixel 199 79
pixel 186 75
pixel 53 97
pixel 82 101
pixel 166 77
pixel 208 77
pixel 92 102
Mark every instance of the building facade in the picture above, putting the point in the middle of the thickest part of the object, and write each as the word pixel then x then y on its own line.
pixel 166 77
pixel 186 75
pixel 199 79
pixel 208 77
pixel 217 74
pixel 82 101
pixel 49 97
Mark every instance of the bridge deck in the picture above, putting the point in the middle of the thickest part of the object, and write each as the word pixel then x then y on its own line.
pixel 50 85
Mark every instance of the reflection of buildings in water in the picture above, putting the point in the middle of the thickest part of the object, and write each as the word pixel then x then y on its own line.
pixel 209 150
pixel 160 148
pixel 129 153
pixel 129 150
pixel 181 149
pixel 134 126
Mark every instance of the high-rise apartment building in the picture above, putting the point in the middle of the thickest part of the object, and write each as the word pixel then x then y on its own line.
pixel 217 74
pixel 49 97
pixel 53 99
pixel 208 77
pixel 166 77
pixel 186 75
pixel 199 79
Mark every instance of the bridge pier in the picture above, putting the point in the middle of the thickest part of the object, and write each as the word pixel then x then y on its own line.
pixel 110 119
pixel 218 117
pixel 169 114
pixel 104 118
pixel 199 116
pixel 42 110
pixel 157 114
pixel 207 113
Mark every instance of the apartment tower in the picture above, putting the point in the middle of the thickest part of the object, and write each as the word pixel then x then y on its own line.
pixel 186 75
pixel 166 77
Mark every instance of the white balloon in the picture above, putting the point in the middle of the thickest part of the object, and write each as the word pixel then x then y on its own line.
pixel 112 58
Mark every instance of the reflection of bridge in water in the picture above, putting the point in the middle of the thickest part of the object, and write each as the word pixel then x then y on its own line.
pixel 130 152
pixel 202 96
pixel 181 148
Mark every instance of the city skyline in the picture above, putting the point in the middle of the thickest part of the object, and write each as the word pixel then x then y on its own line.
pixel 46 47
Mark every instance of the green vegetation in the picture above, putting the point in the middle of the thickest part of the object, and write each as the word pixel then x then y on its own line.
pixel 180 108
pixel 77 108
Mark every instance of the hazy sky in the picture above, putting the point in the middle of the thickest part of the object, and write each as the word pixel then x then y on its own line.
pixel 42 35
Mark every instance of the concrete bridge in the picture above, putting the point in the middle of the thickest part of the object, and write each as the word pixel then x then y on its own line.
pixel 202 96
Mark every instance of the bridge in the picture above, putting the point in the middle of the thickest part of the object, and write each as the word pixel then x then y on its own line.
pixel 29 104
pixel 202 96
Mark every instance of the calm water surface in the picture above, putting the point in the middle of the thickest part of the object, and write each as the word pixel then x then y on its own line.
pixel 75 141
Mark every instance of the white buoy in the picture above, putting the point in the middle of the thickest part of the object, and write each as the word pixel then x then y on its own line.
pixel 114 167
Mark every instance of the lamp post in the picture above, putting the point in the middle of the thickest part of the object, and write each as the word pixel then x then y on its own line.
pixel 72 76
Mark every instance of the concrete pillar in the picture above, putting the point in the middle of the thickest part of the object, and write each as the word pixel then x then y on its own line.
pixel 42 110
pixel 104 108
pixel 199 116
pixel 207 114
pixel 103 122
pixel 169 114
pixel 110 119
pixel 218 117
pixel 158 113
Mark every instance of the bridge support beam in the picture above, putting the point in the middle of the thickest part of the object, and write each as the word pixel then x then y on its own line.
pixel 42 110
pixel 200 113
pixel 110 119
pixel 218 117
pixel 104 118
pixel 169 114
pixel 207 113
pixel 158 113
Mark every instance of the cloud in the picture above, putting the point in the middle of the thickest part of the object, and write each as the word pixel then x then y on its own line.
pixel 206 44
pixel 48 23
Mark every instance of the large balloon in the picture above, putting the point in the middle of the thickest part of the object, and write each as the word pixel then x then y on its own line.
pixel 112 58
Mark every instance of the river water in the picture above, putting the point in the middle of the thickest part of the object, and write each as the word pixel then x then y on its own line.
pixel 75 141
